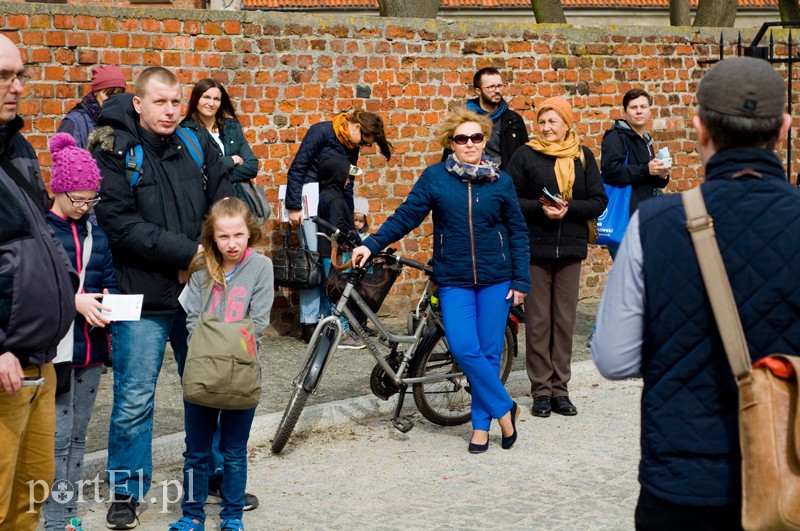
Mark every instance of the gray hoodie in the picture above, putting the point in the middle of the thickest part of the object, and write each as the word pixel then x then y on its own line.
pixel 250 289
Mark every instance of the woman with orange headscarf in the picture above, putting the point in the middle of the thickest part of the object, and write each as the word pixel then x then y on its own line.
pixel 560 191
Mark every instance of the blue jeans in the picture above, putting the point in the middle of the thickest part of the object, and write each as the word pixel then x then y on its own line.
pixel 326 305
pixel 234 427
pixel 475 323
pixel 310 298
pixel 138 353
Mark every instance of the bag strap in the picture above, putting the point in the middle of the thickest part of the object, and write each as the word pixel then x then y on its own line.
pixel 701 229
pixel 302 235
pixel 133 164
pixel 23 183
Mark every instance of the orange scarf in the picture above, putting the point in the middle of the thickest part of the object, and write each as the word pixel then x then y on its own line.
pixel 565 152
pixel 340 123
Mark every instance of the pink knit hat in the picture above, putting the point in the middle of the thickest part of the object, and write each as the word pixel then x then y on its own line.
pixel 107 76
pixel 73 168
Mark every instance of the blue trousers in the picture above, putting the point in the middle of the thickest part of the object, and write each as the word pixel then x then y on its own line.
pixel 326 306
pixel 474 323
pixel 233 427
pixel 311 299
pixel 138 354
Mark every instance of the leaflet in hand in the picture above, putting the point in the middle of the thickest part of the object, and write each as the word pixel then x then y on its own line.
pixel 309 202
pixel 549 198
pixel 123 307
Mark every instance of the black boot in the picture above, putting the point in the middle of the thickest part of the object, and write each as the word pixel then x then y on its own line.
pixel 306 331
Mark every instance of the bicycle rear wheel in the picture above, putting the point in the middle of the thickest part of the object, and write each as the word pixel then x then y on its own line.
pixel 448 402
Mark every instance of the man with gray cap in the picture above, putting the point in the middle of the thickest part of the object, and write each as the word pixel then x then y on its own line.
pixel 655 320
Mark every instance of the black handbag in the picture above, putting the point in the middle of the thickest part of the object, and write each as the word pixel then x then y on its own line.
pixel 299 268
pixel 374 287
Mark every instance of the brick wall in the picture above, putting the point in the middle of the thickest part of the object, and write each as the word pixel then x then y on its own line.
pixel 289 71
pixel 123 3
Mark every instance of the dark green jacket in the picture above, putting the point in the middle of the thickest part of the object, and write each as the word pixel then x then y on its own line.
pixel 235 144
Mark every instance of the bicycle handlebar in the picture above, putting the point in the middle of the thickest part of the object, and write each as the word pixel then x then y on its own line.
pixel 337 234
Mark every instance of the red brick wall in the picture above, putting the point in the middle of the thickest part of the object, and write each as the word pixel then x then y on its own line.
pixel 287 72
pixel 124 3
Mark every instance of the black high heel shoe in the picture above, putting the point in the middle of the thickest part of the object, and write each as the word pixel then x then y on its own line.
pixel 509 441
pixel 478 448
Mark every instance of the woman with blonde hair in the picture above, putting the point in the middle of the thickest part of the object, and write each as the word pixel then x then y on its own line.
pixel 560 192
pixel 480 261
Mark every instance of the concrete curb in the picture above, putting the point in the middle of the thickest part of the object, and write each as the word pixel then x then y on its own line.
pixel 168 449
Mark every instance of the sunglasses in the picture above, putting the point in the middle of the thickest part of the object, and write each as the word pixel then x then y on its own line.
pixel 477 138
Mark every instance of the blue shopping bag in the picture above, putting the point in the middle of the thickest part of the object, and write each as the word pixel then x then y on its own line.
pixel 613 222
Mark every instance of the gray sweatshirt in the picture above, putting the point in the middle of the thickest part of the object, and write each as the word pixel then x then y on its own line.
pixel 249 289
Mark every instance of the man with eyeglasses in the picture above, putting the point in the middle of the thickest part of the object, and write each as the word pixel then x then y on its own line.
pixel 37 305
pixel 508 127
pixel 107 81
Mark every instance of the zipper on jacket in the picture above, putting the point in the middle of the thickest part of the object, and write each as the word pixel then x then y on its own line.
pixel 80 267
pixel 471 233
pixel 441 245
pixel 558 238
pixel 502 246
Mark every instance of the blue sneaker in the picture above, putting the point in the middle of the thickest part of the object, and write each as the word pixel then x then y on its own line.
pixel 231 524
pixel 74 524
pixel 187 524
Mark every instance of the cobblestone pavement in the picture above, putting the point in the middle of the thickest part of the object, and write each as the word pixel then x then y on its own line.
pixel 348 468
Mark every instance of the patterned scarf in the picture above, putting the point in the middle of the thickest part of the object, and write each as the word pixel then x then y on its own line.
pixel 89 102
pixel 565 152
pixel 340 123
pixel 485 171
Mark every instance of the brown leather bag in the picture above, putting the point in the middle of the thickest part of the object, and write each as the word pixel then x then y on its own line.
pixel 769 402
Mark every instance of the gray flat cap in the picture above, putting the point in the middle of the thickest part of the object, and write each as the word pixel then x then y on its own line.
pixel 743 86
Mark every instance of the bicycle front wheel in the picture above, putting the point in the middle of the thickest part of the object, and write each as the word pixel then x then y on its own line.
pixel 290 417
pixel 446 402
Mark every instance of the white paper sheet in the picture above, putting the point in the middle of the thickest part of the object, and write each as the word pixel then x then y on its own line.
pixel 309 203
pixel 123 307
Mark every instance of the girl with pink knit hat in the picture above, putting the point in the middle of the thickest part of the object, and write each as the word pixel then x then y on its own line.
pixel 75 183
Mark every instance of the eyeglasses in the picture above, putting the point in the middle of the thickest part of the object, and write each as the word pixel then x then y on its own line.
pixel 78 203
pixel 477 138
pixel 495 88
pixel 8 77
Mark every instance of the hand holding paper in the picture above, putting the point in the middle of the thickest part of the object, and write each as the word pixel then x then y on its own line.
pixel 122 307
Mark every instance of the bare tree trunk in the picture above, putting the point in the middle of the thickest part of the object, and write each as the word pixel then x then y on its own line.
pixel 679 13
pixel 548 11
pixel 715 13
pixel 789 10
pixel 409 8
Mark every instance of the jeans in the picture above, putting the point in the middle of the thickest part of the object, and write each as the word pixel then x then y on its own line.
pixel 138 353
pixel 73 411
pixel 326 305
pixel 475 323
pixel 234 427
pixel 26 449
pixel 310 299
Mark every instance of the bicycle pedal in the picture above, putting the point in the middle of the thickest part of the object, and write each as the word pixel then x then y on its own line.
pixel 403 424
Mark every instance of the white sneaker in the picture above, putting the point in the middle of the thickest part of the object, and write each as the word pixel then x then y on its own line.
pixel 349 341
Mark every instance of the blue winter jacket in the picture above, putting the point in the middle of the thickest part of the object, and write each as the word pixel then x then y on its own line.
pixel 90 344
pixel 319 143
pixel 479 234
pixel 690 435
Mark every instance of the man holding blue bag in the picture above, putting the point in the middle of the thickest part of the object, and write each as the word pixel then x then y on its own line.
pixel 631 170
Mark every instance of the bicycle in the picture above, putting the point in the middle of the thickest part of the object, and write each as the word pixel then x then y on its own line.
pixel 441 391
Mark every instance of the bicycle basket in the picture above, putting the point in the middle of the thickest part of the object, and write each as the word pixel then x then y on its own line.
pixel 374 287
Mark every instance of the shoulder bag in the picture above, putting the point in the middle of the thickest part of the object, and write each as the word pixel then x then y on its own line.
pixel 255 198
pixel 222 370
pixel 613 222
pixel 299 268
pixel 769 402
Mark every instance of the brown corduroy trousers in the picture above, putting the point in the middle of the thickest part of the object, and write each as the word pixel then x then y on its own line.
pixel 550 310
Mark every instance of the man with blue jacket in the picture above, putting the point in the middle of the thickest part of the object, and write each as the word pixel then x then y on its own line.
pixel 655 319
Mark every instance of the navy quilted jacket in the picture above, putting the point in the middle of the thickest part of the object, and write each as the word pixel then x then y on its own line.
pixel 690 447
pixel 90 344
pixel 479 234
pixel 319 143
